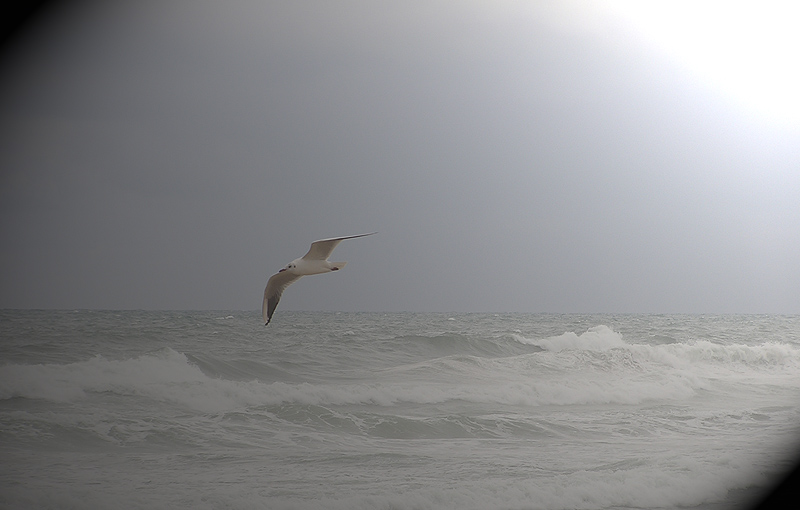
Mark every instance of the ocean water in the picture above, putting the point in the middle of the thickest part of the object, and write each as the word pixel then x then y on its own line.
pixel 211 410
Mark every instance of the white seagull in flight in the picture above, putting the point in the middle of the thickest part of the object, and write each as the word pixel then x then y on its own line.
pixel 313 262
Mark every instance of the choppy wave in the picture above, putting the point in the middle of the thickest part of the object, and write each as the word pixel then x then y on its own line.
pixel 598 338
pixel 209 411
pixel 597 366
pixel 166 376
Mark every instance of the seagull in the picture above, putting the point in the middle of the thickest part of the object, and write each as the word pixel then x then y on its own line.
pixel 313 262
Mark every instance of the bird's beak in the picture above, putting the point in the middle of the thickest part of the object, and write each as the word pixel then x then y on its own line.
pixel 281 270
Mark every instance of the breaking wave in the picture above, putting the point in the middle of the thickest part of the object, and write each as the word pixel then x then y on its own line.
pixel 597 366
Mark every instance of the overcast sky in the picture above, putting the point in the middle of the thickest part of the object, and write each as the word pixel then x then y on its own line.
pixel 514 156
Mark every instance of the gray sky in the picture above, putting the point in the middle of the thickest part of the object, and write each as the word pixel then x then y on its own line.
pixel 514 156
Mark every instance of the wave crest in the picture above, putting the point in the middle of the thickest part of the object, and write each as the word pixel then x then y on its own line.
pixel 598 338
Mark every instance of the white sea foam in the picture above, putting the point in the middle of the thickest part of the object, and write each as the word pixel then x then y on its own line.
pixel 679 355
pixel 402 411
pixel 598 338
pixel 595 367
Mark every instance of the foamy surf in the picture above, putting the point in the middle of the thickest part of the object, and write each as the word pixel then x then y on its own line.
pixel 597 338
pixel 201 410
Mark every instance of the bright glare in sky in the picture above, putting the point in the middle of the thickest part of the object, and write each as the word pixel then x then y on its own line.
pixel 750 51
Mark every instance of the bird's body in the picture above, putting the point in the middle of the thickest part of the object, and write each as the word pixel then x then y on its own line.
pixel 303 267
pixel 313 262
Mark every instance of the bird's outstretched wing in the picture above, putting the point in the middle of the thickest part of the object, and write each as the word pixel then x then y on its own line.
pixel 272 293
pixel 321 250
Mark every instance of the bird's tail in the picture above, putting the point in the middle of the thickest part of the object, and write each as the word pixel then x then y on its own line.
pixel 335 266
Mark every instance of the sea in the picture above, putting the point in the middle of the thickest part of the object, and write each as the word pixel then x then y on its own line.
pixel 394 411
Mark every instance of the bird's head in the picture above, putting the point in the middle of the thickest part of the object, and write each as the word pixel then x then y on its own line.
pixel 289 267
